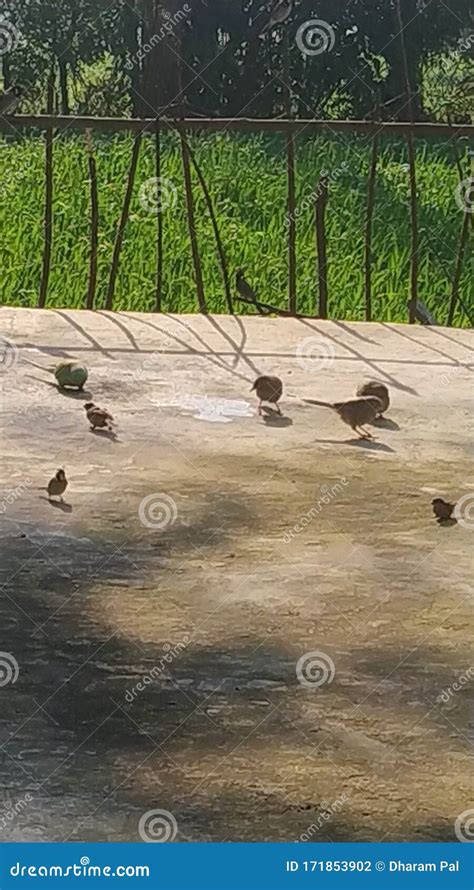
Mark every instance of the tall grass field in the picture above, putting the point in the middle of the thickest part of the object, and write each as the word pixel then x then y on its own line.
pixel 247 180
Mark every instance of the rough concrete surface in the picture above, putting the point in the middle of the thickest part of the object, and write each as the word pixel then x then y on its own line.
pixel 265 540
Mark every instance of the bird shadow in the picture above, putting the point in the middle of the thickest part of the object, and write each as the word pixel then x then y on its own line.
pixel 385 423
pixel 59 505
pixel 106 434
pixel 369 444
pixel 446 523
pixel 80 394
pixel 271 418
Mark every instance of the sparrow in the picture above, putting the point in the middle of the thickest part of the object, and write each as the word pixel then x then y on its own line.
pixel 247 292
pixel 98 417
pixel 374 388
pixel 268 389
pixel 57 485
pixel 441 509
pixel 9 99
pixel 281 12
pixel 355 412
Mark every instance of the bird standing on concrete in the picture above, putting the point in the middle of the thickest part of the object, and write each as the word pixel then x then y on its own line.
pixel 268 389
pixel 57 485
pixel 98 417
pixel 442 509
pixel 280 14
pixel 355 412
pixel 9 99
pixel 374 388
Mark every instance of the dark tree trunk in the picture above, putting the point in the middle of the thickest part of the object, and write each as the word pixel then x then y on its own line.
pixel 63 85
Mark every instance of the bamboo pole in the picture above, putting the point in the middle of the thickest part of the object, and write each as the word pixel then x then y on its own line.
pixel 458 267
pixel 291 208
pixel 368 229
pixel 94 202
pixel 412 168
pixel 322 264
pixel 238 124
pixel 48 196
pixel 159 228
pixel 123 222
pixel 215 226
pixel 188 186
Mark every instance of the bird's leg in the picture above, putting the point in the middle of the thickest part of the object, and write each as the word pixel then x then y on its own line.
pixel 368 434
pixel 361 433
pixel 278 410
pixel 260 409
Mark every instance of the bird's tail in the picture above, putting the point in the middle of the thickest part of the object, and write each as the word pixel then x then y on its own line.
pixel 35 364
pixel 318 402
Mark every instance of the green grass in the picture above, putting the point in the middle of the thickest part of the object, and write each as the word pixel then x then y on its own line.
pixel 247 179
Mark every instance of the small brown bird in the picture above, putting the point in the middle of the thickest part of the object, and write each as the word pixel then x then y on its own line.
pixel 98 417
pixel 374 388
pixel 57 486
pixel 280 14
pixel 355 412
pixel 268 389
pixel 9 99
pixel 247 292
pixel 442 509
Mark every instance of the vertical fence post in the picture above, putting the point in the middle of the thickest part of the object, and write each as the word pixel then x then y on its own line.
pixel 123 222
pixel 368 228
pixel 94 201
pixel 159 225
pixel 458 268
pixel 322 263
pixel 291 217
pixel 48 195
pixel 412 167
pixel 192 226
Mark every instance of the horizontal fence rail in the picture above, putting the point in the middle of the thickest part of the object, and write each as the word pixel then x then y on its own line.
pixel 54 124
pixel 239 124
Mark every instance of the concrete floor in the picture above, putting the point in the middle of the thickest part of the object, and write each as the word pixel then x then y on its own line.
pixel 261 541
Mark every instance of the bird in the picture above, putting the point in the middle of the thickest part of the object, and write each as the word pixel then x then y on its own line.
pixel 98 417
pixel 246 291
pixel 281 12
pixel 422 314
pixel 268 389
pixel 67 373
pixel 10 98
pixel 354 412
pixel 374 388
pixel 442 509
pixel 57 485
